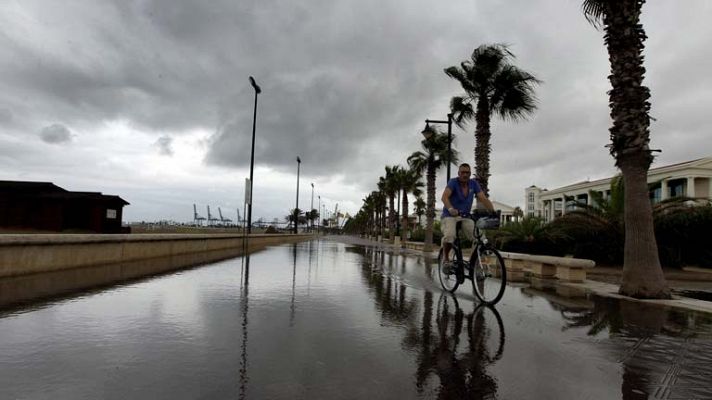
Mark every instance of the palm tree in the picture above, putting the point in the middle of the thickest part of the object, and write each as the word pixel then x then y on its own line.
pixel 517 213
pixel 419 208
pixel 312 216
pixel 409 183
pixel 492 86
pixel 368 209
pixel 433 156
pixel 624 36
pixel 390 187
pixel 295 217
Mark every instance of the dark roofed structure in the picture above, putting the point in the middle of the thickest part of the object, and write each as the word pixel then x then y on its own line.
pixel 45 206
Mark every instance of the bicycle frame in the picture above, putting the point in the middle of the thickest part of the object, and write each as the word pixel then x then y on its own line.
pixel 480 241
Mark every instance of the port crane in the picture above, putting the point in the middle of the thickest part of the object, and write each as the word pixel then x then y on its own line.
pixel 197 219
pixel 211 218
pixel 223 220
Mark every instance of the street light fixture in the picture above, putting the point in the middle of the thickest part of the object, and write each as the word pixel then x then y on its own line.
pixel 312 207
pixel 428 132
pixel 296 208
pixel 258 90
pixel 318 220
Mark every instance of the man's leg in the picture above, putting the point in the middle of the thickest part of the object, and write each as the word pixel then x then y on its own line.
pixel 448 225
pixel 446 251
pixel 468 229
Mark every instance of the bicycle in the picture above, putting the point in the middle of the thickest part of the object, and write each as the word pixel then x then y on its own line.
pixel 485 267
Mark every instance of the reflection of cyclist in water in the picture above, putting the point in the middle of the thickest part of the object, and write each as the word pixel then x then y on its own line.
pixel 457 199
pixel 463 371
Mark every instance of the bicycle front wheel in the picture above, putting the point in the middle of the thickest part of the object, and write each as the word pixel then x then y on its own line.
pixel 447 275
pixel 489 277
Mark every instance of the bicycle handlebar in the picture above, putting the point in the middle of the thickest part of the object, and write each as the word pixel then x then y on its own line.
pixel 480 214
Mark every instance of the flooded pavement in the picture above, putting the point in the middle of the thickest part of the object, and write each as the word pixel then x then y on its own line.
pixel 334 319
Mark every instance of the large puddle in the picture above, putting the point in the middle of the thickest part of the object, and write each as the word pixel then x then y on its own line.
pixel 334 320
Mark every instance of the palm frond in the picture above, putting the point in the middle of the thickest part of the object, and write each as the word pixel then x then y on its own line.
pixel 418 160
pixel 594 11
pixel 462 110
pixel 513 93
pixel 460 75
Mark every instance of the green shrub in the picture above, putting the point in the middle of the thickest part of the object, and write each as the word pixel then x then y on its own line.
pixel 591 235
pixel 531 235
pixel 418 234
pixel 684 238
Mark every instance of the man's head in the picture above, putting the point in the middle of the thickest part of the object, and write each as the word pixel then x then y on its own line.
pixel 464 172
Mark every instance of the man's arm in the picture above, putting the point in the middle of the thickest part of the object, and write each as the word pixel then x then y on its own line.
pixel 446 201
pixel 484 200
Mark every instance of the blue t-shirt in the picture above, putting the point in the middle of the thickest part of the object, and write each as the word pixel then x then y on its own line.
pixel 459 201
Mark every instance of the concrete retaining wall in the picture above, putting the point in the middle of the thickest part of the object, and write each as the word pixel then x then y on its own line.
pixel 32 254
pixel 34 267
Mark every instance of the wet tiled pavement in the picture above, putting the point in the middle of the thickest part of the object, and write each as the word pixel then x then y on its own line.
pixel 341 319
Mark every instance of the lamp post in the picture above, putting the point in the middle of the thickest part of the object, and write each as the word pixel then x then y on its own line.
pixel 312 207
pixel 296 208
pixel 449 137
pixel 252 154
pixel 318 220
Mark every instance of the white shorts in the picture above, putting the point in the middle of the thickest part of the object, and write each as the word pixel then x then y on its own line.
pixel 449 225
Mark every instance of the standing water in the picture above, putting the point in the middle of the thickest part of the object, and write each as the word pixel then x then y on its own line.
pixel 339 319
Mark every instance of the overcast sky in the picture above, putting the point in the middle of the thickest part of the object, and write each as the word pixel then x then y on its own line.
pixel 150 100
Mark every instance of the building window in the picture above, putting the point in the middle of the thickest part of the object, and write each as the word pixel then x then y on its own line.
pixel 677 187
pixel 656 195
pixel 531 196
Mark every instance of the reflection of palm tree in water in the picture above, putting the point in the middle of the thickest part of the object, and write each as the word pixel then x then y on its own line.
pixel 652 344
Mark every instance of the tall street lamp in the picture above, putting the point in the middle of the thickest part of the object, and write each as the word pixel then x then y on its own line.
pixel 252 155
pixel 296 208
pixel 427 132
pixel 318 220
pixel 312 206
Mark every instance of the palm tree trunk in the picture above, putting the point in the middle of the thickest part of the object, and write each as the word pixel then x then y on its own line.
pixel 430 208
pixel 482 143
pixel 404 229
pixel 642 273
pixel 391 215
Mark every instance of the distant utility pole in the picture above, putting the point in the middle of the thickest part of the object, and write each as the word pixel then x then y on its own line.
pixel 296 207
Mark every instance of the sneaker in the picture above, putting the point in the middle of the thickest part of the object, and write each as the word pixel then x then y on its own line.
pixel 448 267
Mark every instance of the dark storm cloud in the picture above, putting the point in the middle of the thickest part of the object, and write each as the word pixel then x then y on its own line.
pixel 165 145
pixel 5 116
pixel 346 84
pixel 56 134
pixel 334 74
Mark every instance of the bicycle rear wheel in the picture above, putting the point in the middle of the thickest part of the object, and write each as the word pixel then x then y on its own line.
pixel 447 276
pixel 489 277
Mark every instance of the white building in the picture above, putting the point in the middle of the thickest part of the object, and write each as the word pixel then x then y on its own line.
pixel 691 179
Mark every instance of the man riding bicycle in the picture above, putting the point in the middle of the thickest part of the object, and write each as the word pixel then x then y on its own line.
pixel 457 198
